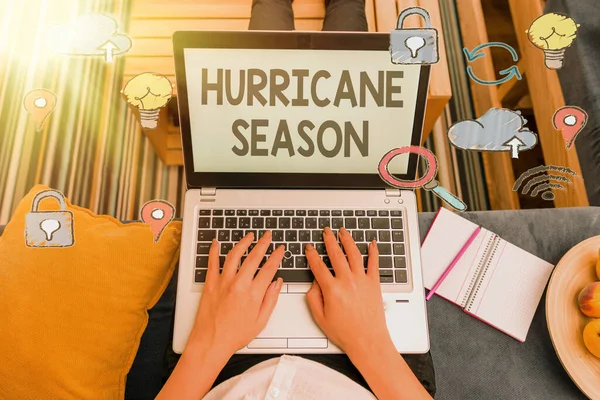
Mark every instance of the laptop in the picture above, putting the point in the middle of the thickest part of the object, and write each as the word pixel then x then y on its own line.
pixel 284 131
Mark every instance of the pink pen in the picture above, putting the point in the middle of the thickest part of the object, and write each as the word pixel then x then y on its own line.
pixel 452 264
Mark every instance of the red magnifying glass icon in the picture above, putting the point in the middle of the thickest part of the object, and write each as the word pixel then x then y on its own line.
pixel 427 182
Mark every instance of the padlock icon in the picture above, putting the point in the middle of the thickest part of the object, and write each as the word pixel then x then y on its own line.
pixel 49 228
pixel 414 45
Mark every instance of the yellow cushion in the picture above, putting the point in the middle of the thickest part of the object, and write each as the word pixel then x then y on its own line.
pixel 71 318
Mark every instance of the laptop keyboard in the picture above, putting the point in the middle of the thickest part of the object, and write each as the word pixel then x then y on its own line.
pixel 295 229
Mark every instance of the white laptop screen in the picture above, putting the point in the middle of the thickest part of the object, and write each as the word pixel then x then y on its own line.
pixel 298 111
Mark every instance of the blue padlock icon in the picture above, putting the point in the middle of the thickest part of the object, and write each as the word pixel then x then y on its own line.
pixel 414 45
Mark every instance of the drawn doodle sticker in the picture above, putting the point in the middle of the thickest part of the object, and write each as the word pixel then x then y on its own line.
pixel 158 214
pixel 427 182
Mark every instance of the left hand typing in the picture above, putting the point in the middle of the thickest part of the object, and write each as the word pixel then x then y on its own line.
pixel 235 305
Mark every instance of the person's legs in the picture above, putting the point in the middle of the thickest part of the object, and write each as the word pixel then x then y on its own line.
pixel 272 15
pixel 345 15
pixel 240 363
pixel 420 364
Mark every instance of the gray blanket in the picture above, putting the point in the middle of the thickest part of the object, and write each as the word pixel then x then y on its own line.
pixel 475 361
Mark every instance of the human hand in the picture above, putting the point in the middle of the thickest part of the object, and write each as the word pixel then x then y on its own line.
pixel 348 307
pixel 236 306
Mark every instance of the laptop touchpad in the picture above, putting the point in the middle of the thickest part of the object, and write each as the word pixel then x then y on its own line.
pixel 291 318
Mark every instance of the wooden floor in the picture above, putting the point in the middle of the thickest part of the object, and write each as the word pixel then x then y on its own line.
pixel 154 21
pixel 538 95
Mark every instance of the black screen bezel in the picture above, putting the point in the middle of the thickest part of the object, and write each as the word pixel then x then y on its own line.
pixel 285 40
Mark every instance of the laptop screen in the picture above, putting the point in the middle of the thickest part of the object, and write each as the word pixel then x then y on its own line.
pixel 310 111
pixel 317 111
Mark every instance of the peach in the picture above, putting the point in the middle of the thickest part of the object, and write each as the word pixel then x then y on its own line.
pixel 589 300
pixel 598 265
pixel 591 337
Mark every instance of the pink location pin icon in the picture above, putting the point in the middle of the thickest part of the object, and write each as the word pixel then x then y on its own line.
pixel 157 213
pixel 570 120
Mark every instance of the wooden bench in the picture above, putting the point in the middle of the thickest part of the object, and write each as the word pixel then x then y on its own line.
pixel 540 91
pixel 154 21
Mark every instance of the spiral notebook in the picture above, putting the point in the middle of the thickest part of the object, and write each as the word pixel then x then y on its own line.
pixel 494 281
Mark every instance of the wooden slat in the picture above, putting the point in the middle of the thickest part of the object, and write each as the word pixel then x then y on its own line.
pixel 129 76
pixel 370 14
pixel 174 139
pixel 159 65
pixel 148 28
pixel 439 81
pixel 505 88
pixel 524 103
pixel 216 9
pixel 435 107
pixel 412 22
pixel 546 96
pixel 208 9
pixel 151 47
pixel 174 157
pixel 308 9
pixel 162 62
pixel 511 92
pixel 442 151
pixel 173 130
pixel 439 84
pixel 385 15
pixel 498 166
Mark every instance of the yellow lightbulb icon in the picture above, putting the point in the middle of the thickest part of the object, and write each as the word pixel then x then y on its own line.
pixel 553 33
pixel 148 92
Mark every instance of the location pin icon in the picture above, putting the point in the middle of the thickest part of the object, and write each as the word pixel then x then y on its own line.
pixel 157 213
pixel 570 120
pixel 39 103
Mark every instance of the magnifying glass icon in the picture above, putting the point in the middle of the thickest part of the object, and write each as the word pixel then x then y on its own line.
pixel 427 182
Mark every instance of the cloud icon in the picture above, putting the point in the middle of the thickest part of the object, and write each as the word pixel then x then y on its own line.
pixel 89 35
pixel 499 129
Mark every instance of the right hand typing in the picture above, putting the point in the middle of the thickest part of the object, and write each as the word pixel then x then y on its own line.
pixel 348 307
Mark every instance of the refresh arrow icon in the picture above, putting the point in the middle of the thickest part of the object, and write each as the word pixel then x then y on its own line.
pixel 474 55
pixel 508 73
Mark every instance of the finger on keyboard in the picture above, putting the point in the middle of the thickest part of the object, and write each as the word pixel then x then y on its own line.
pixel 318 268
pixel 233 258
pixel 373 261
pixel 248 269
pixel 338 260
pixel 267 273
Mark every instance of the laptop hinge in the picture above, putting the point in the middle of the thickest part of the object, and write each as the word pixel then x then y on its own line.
pixel 208 191
pixel 392 192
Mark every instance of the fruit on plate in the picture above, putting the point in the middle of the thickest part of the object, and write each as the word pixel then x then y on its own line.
pixel 591 337
pixel 598 265
pixel 589 300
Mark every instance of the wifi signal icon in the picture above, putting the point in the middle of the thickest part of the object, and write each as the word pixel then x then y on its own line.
pixel 543 182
